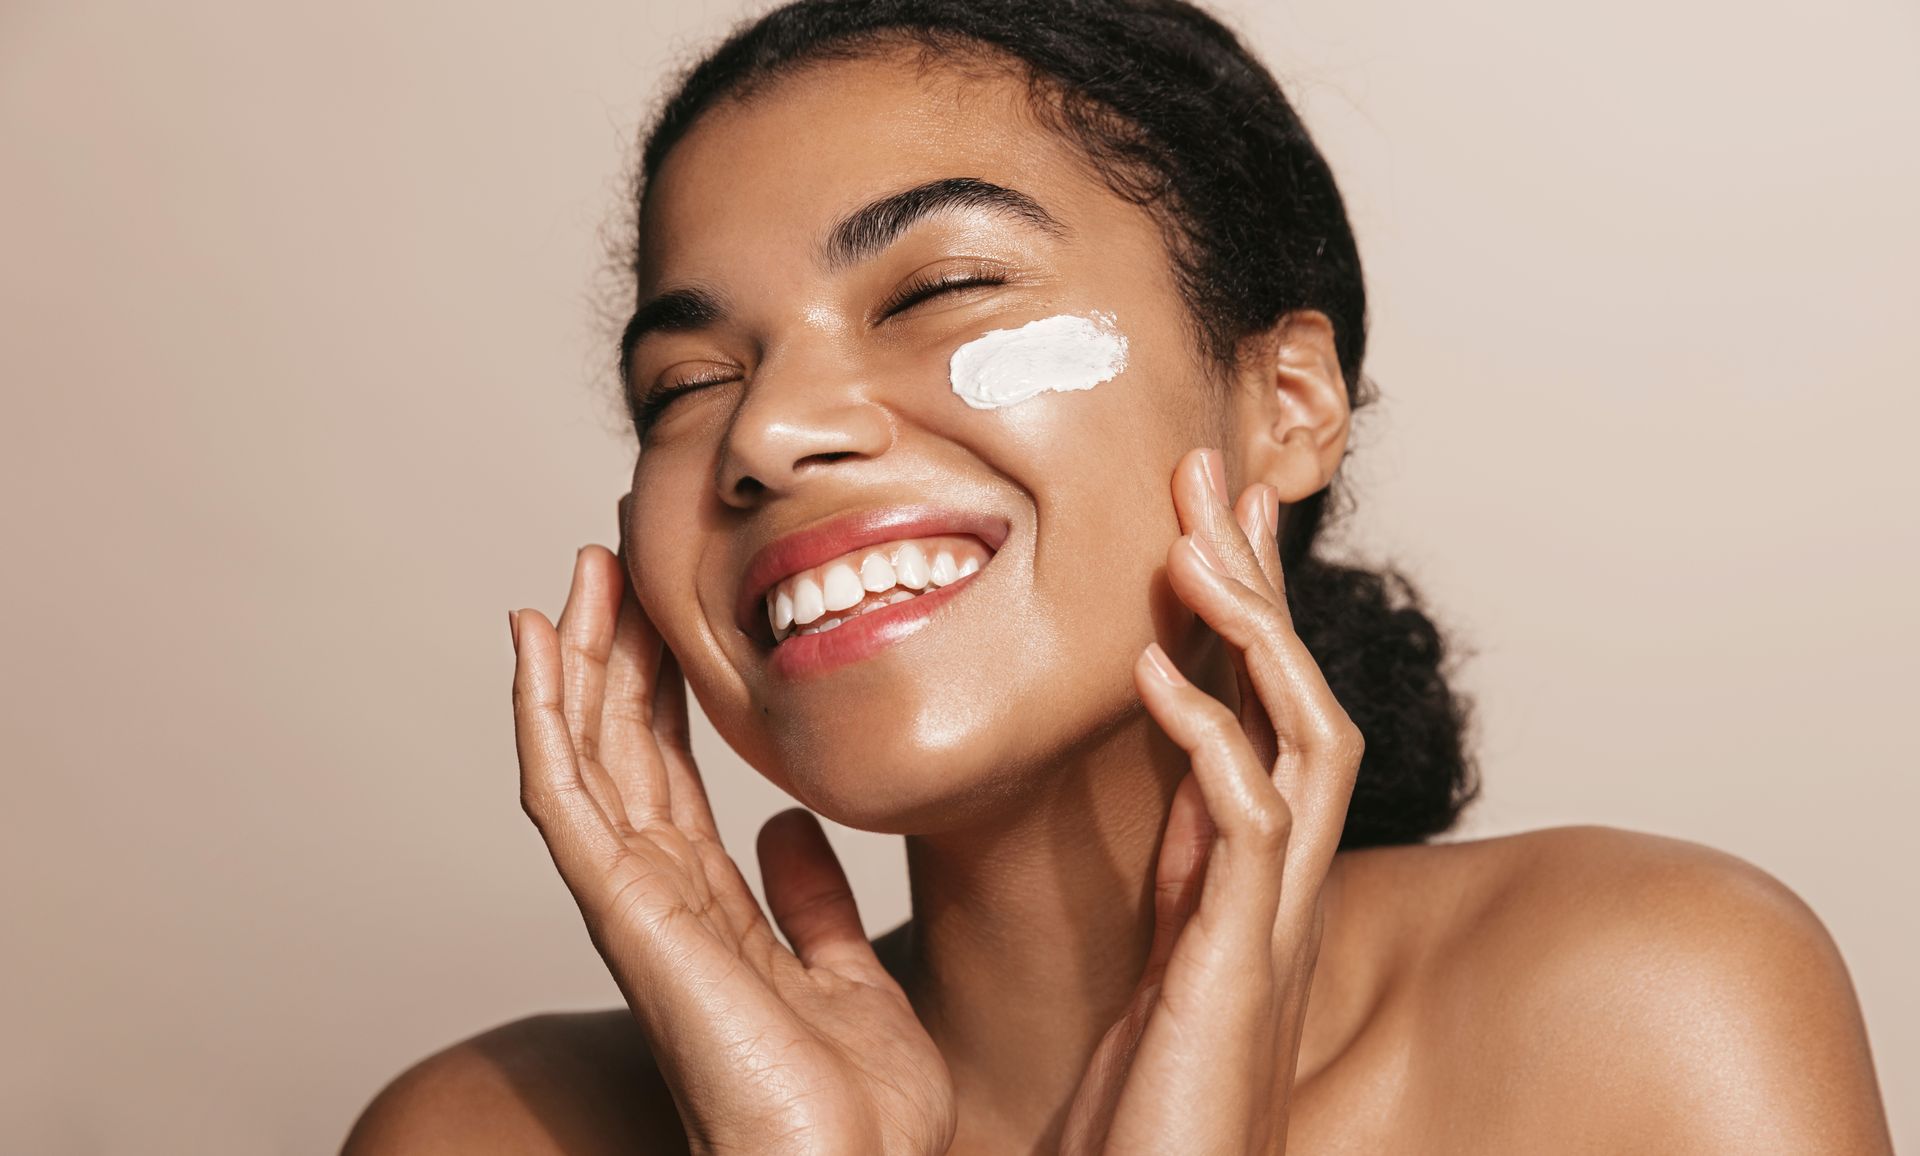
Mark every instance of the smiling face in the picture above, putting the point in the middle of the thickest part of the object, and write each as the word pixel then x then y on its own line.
pixel 815 255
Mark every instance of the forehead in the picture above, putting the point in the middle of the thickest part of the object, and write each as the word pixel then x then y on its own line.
pixel 768 174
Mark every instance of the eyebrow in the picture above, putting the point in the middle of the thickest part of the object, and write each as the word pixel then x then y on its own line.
pixel 675 311
pixel 857 236
pixel 872 227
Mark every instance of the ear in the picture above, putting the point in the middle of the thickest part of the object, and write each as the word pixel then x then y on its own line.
pixel 1292 413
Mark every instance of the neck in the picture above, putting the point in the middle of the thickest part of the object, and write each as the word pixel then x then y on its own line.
pixel 1029 933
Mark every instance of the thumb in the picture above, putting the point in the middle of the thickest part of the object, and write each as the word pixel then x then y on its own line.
pixel 808 895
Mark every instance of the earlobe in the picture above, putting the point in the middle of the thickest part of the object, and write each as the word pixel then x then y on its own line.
pixel 1294 430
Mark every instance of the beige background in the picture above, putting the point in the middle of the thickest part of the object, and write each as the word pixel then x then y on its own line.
pixel 304 388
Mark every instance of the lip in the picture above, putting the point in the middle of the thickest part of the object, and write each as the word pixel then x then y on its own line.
pixel 802 655
pixel 826 540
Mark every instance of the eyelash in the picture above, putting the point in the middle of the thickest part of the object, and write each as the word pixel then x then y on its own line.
pixel 920 290
pixel 913 293
pixel 649 408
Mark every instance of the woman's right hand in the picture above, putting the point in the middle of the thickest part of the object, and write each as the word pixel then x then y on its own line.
pixel 766 1050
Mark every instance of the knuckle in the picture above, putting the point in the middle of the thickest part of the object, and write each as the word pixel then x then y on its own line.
pixel 1271 822
pixel 547 804
pixel 1346 742
pixel 1334 733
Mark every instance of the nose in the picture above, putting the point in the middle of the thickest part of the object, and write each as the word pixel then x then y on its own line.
pixel 799 417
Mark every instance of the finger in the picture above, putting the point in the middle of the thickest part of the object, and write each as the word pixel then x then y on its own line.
pixel 1200 501
pixel 1250 516
pixel 1258 513
pixel 586 631
pixel 628 747
pixel 687 792
pixel 1090 1115
pixel 1253 822
pixel 585 634
pixel 1320 747
pixel 1199 489
pixel 645 724
pixel 575 826
pixel 1178 871
pixel 807 893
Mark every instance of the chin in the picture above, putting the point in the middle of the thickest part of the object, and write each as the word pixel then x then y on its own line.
pixel 898 749
pixel 895 763
pixel 951 709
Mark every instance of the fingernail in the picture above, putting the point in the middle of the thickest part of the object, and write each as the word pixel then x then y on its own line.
pixel 1216 474
pixel 1163 666
pixel 1270 502
pixel 1256 520
pixel 513 628
pixel 1207 557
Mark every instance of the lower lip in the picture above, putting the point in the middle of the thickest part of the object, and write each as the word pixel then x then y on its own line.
pixel 863 636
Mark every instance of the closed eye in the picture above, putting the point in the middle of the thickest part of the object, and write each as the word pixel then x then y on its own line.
pixel 648 409
pixel 921 289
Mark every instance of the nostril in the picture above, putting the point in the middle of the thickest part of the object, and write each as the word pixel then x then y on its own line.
pixel 827 458
pixel 748 487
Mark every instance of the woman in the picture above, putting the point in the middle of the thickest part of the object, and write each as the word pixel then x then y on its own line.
pixel 992 363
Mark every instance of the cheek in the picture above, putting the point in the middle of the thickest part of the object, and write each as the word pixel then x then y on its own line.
pixel 1098 463
pixel 1100 421
pixel 662 558
pixel 1066 353
pixel 1054 392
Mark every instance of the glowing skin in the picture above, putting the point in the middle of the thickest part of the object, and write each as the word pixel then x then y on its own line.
pixel 1054 354
pixel 1467 990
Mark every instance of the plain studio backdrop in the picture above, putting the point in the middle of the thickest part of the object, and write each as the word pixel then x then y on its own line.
pixel 307 384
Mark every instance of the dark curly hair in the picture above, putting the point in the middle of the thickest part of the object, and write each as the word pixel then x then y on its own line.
pixel 1176 116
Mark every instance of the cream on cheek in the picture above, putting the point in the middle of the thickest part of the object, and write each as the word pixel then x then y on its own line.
pixel 1054 354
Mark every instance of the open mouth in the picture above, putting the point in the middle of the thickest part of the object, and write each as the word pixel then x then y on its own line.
pixel 870 578
pixel 846 587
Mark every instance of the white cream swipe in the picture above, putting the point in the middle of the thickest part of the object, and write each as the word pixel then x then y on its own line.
pixel 1059 353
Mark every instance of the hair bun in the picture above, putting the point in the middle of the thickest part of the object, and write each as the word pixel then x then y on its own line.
pixel 1386 661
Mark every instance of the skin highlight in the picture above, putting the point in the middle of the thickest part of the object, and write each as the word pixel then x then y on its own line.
pixel 1015 741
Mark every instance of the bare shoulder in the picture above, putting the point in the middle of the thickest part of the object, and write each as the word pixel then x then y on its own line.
pixel 573 1083
pixel 1647 993
pixel 577 1083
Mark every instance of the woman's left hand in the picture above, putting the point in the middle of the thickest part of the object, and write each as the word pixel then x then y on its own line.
pixel 1203 1059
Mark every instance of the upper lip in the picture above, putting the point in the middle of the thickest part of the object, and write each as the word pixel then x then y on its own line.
pixel 840 534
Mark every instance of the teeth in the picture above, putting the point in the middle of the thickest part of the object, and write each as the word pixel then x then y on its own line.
pixel 910 567
pixel 876 573
pixel 841 587
pixel 862 582
pixel 808 603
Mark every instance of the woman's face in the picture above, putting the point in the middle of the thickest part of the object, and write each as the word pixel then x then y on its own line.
pixel 824 426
